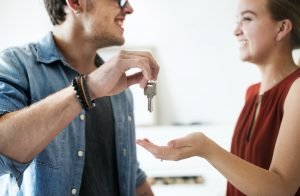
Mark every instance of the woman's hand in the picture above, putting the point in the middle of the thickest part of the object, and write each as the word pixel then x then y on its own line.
pixel 194 144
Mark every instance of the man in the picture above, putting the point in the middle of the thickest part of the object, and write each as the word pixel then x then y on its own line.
pixel 66 124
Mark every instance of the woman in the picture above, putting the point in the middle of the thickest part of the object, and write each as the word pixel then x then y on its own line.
pixel 264 158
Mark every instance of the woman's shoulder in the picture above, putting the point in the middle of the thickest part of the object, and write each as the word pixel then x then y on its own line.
pixel 252 90
pixel 295 87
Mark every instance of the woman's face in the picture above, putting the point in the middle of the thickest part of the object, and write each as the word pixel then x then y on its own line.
pixel 256 31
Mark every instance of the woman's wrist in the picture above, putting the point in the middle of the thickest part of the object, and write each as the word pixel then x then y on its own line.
pixel 207 147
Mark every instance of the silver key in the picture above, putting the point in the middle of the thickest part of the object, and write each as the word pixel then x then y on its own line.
pixel 150 92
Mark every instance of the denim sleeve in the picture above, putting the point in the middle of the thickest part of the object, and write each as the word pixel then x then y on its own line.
pixel 13 85
pixel 13 82
pixel 8 166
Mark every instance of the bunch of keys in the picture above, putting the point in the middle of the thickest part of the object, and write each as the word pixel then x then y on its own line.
pixel 150 92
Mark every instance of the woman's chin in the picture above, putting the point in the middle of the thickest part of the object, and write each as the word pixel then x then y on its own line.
pixel 244 58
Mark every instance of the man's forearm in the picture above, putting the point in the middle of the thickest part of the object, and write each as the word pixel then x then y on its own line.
pixel 25 133
pixel 144 190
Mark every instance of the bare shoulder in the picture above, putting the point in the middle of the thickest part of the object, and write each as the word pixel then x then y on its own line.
pixel 293 96
pixel 295 88
pixel 296 83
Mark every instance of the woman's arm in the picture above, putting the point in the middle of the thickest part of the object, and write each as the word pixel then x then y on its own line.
pixel 283 176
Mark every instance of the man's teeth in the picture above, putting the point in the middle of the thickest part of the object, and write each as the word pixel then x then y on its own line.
pixel 244 43
pixel 120 23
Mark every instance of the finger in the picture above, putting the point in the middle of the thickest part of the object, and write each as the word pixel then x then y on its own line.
pixel 146 144
pixel 164 152
pixel 152 148
pixel 138 141
pixel 172 144
pixel 152 62
pixel 137 78
pixel 141 63
pixel 179 143
pixel 147 140
pixel 143 140
pixel 154 70
pixel 143 83
pixel 134 79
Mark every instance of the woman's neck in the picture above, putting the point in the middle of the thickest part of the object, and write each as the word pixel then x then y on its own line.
pixel 271 75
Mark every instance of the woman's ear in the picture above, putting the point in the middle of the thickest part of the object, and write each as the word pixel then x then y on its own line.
pixel 284 28
pixel 74 5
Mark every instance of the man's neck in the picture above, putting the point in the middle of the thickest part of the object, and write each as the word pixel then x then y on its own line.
pixel 78 53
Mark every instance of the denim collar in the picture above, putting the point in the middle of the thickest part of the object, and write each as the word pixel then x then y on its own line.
pixel 47 51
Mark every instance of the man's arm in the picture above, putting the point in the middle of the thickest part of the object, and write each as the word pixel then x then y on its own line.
pixel 25 133
pixel 144 189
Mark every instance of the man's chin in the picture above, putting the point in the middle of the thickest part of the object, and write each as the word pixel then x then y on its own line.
pixel 113 43
pixel 120 42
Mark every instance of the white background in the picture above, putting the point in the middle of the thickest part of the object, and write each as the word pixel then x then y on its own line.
pixel 201 80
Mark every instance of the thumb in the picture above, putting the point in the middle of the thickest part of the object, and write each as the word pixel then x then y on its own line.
pixel 178 143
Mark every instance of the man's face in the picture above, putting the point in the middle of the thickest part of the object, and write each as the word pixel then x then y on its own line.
pixel 103 22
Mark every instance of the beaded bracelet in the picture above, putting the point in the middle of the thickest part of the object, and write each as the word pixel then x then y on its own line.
pixel 80 86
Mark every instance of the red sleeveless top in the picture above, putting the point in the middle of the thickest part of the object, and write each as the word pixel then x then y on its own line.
pixel 256 144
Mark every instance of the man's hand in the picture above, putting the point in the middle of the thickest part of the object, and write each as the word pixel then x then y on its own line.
pixel 110 78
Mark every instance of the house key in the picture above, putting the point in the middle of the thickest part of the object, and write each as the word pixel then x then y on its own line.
pixel 150 92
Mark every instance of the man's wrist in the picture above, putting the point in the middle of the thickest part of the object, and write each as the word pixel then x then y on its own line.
pixel 80 86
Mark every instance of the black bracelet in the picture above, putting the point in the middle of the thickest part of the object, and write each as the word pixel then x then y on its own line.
pixel 89 101
pixel 80 86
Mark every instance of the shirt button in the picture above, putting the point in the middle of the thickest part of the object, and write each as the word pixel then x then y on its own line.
pixel 129 118
pixel 80 153
pixel 124 152
pixel 74 191
pixel 82 117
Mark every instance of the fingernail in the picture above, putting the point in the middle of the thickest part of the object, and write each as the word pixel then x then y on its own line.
pixel 171 144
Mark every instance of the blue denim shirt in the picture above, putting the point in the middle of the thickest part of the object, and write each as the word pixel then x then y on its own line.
pixel 31 73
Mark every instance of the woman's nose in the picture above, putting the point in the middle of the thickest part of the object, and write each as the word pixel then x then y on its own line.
pixel 238 30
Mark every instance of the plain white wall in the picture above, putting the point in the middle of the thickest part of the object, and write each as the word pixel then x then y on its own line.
pixel 22 21
pixel 201 77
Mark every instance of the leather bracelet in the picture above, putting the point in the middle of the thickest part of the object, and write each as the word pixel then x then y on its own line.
pixel 80 86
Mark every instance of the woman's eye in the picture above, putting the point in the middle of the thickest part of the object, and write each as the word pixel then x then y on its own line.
pixel 246 19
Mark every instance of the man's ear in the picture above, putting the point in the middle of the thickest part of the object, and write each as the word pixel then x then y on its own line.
pixel 284 28
pixel 73 5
